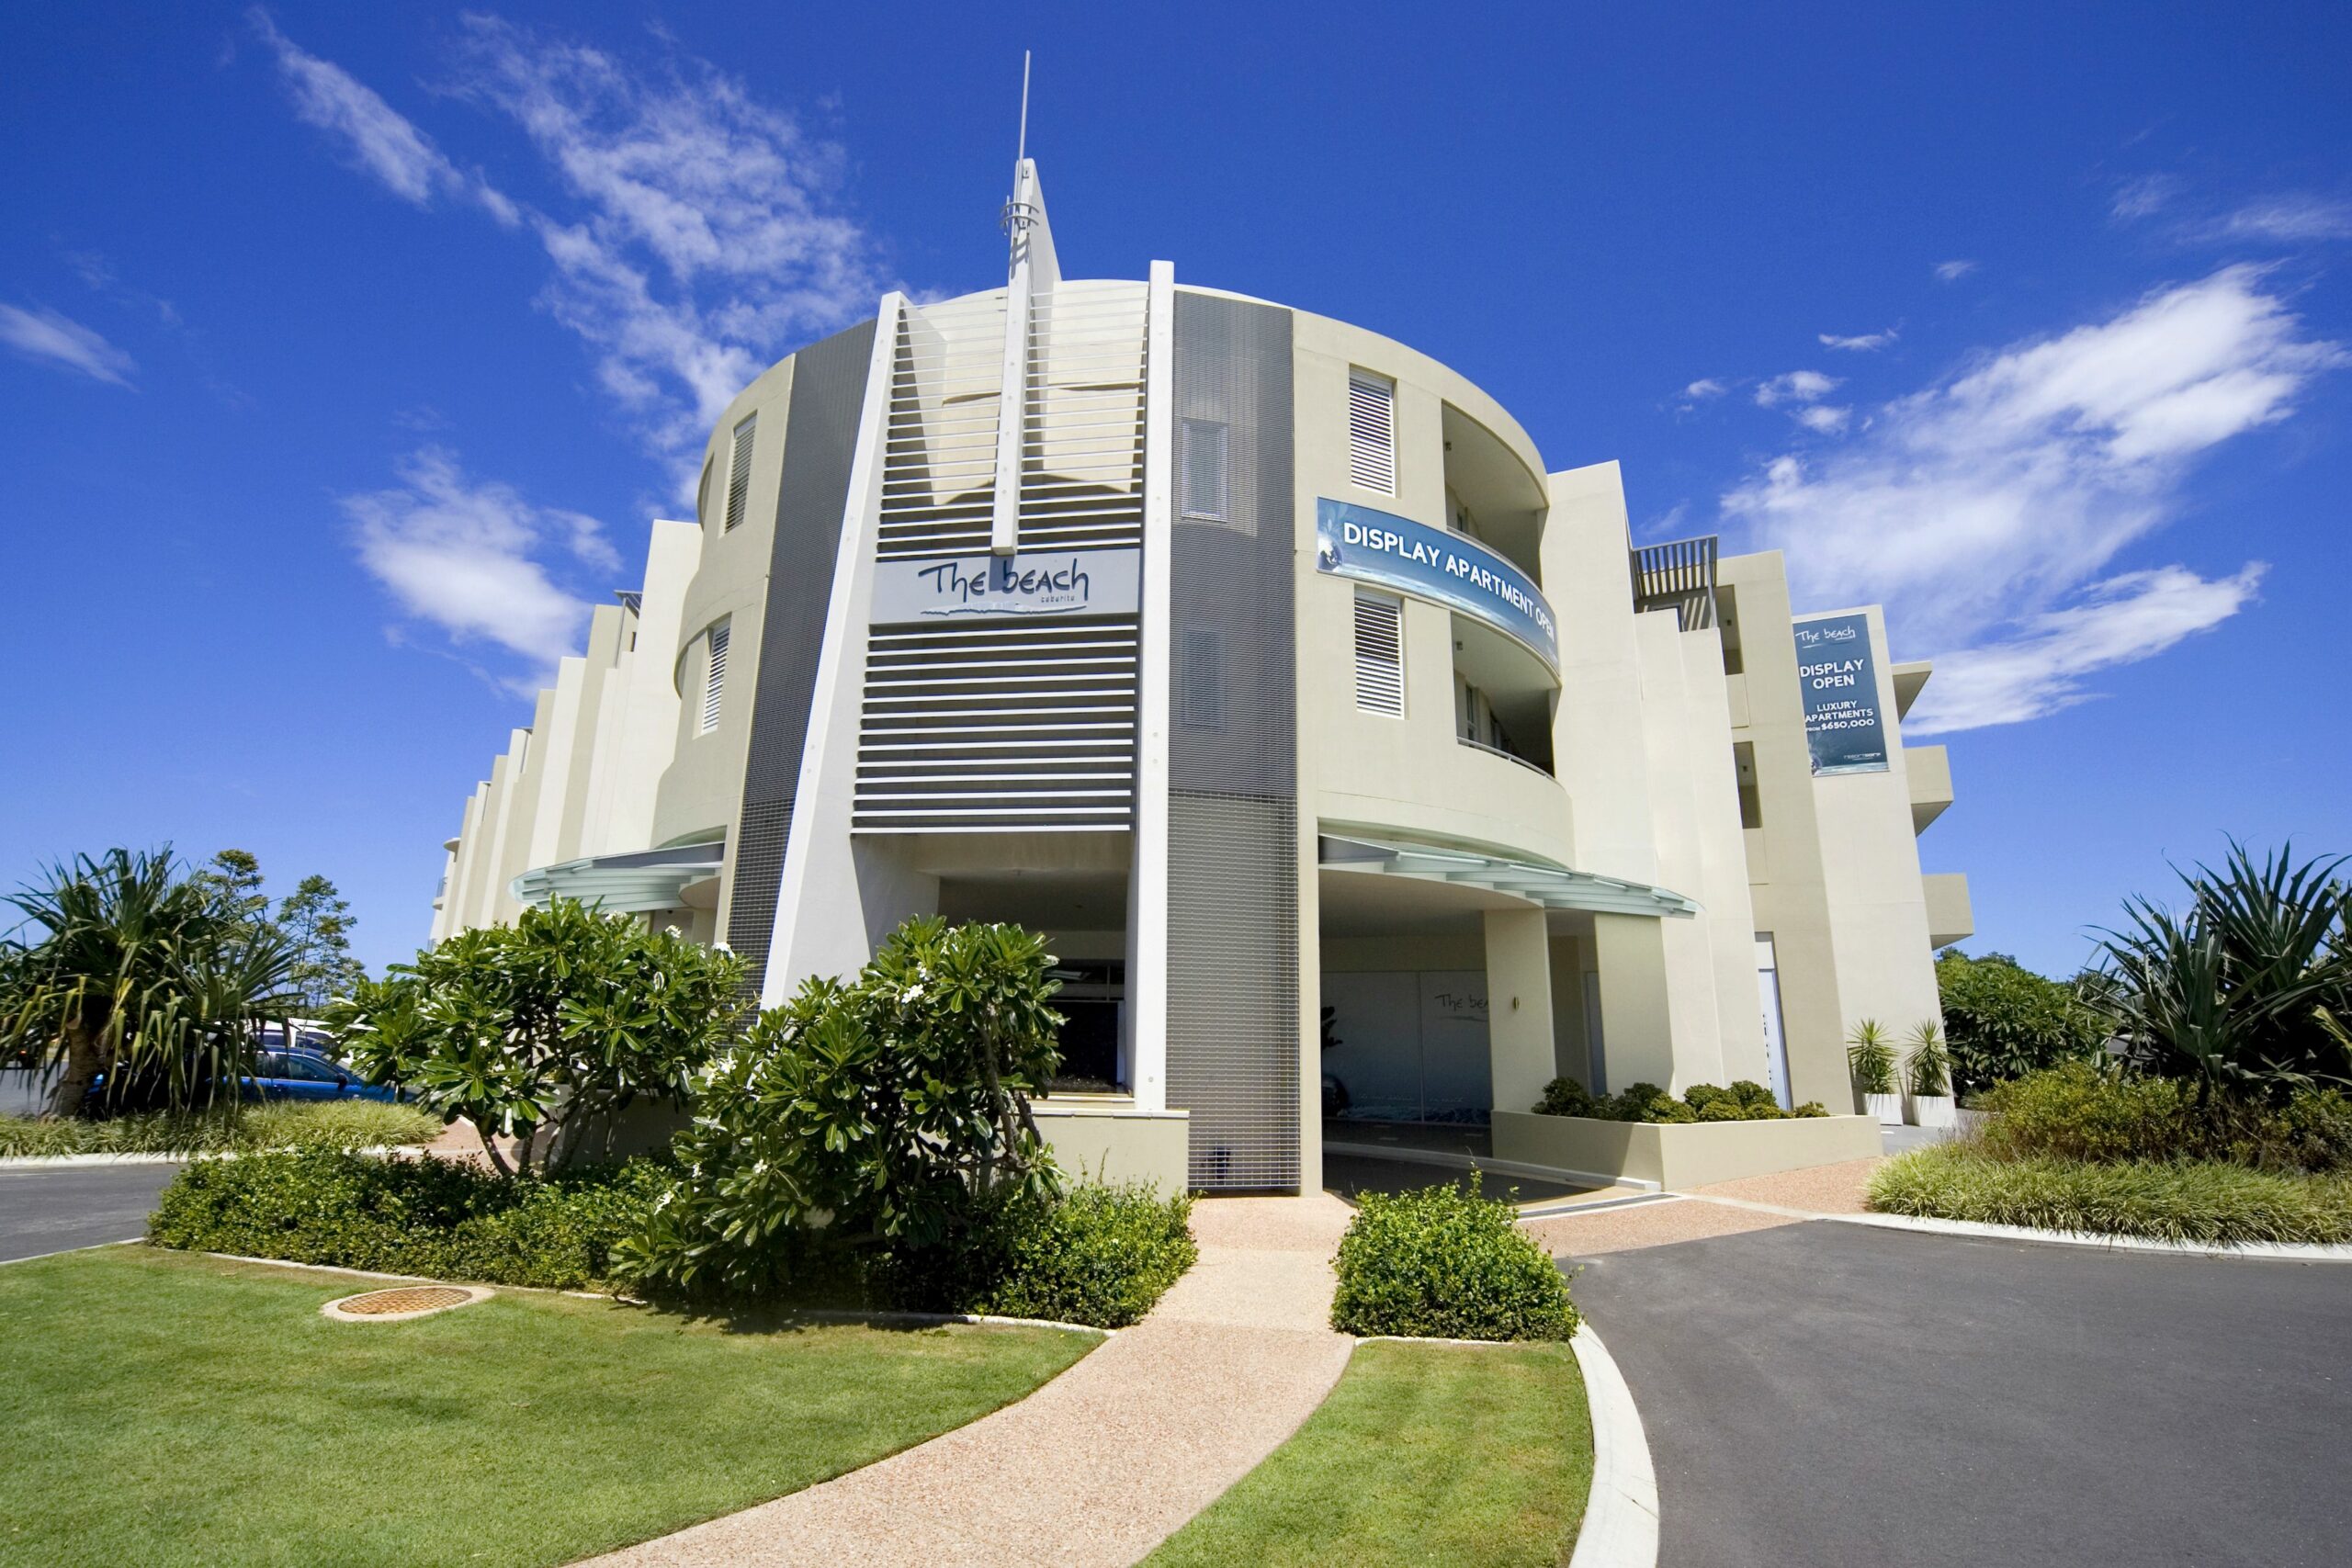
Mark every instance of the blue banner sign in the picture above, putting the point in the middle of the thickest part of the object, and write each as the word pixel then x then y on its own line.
pixel 1430 563
pixel 990 587
pixel 1837 678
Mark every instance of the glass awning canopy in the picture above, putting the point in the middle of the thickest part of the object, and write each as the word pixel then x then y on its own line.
pixel 645 879
pixel 1553 886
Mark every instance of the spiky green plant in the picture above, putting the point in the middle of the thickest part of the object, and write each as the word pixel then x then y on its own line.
pixel 126 965
pixel 1928 1067
pixel 1870 1059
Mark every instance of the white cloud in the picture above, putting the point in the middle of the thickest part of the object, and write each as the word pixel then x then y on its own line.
pixel 1706 386
pixel 471 557
pixel 1796 386
pixel 1864 343
pixel 1985 511
pixel 708 237
pixel 1825 419
pixel 2144 197
pixel 51 339
pixel 1953 271
pixel 380 140
pixel 2290 220
pixel 2118 620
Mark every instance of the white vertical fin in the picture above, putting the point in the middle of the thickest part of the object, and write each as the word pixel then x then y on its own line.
pixel 1148 882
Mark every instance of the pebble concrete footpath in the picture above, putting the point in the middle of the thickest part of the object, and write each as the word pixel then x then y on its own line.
pixel 1102 1463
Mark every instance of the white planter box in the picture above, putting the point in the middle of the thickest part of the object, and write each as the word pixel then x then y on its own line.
pixel 1932 1109
pixel 1681 1155
pixel 1887 1108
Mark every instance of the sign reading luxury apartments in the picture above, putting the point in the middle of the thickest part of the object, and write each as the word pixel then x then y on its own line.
pixel 1838 680
pixel 1430 563
pixel 976 587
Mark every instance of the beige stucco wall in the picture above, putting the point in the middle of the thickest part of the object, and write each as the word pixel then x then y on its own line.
pixel 701 791
pixel 1111 1141
pixel 1682 1156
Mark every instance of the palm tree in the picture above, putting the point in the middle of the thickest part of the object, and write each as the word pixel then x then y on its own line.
pixel 133 971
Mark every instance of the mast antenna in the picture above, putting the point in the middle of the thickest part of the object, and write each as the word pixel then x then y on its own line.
pixel 1022 154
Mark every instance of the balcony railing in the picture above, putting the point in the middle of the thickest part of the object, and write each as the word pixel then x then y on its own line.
pixel 1678 575
pixel 1510 756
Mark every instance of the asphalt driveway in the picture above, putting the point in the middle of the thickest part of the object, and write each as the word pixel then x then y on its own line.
pixel 54 1207
pixel 1827 1394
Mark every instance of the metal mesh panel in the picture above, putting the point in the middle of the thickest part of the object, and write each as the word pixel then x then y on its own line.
pixel 820 440
pixel 1233 1024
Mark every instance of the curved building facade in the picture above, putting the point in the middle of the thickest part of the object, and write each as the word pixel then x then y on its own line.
pixel 1364 772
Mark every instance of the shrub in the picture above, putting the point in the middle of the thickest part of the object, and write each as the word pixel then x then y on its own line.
pixel 1754 1095
pixel 566 1016
pixel 2080 1113
pixel 1565 1097
pixel 437 1218
pixel 1101 1255
pixel 1870 1059
pixel 1443 1263
pixel 1811 1108
pixel 877 1112
pixel 323 1125
pixel 2003 1022
pixel 2193 1201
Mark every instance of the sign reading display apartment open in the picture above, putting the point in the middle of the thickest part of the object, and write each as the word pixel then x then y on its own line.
pixel 1430 563
pixel 1838 680
pixel 981 587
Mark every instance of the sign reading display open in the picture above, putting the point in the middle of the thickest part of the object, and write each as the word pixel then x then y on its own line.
pixel 1430 563
pixel 981 587
pixel 1838 677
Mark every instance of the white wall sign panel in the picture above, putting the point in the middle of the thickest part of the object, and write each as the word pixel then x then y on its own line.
pixel 984 587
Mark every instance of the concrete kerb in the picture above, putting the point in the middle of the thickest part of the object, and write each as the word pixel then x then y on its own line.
pixel 1619 1528
pixel 69 1251
pixel 2272 1251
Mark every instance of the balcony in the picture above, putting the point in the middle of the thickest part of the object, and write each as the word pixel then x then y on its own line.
pixel 1930 768
pixel 1950 917
pixel 1678 575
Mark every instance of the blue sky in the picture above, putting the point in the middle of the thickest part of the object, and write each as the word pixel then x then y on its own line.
pixel 345 352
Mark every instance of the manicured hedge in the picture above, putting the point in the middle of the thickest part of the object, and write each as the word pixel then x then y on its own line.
pixel 1101 1255
pixel 1447 1264
pixel 2196 1200
pixel 439 1218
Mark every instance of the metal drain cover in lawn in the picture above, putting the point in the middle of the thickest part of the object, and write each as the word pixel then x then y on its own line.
pixel 407 1300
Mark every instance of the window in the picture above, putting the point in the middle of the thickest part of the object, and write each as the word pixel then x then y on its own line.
pixel 1371 432
pixel 1201 679
pixel 739 476
pixel 1751 804
pixel 714 681
pixel 1380 656
pixel 1204 471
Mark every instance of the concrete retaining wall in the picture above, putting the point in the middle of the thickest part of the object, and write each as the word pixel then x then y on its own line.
pixel 1116 1142
pixel 1682 1154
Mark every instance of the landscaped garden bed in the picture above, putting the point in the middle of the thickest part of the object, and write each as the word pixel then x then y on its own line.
pixel 166 1409
pixel 315 1124
pixel 1471 1456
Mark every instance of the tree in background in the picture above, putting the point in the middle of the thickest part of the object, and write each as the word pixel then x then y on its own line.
pixel 2003 1020
pixel 137 970
pixel 317 919
pixel 231 880
pixel 566 1016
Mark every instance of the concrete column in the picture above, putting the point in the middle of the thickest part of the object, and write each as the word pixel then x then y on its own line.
pixel 1636 1020
pixel 1518 1007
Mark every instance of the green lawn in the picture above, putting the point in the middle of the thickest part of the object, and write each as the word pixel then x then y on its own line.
pixel 1470 1456
pixel 166 1409
pixel 285 1123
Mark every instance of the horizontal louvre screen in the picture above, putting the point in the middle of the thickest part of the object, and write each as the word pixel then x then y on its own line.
pixel 1372 432
pixel 998 725
pixel 1380 656
pixel 739 474
pixel 714 684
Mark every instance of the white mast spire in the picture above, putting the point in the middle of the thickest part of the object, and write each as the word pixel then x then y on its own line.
pixel 1033 270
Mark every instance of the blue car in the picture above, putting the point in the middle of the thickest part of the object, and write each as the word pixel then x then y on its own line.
pixel 296 1074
